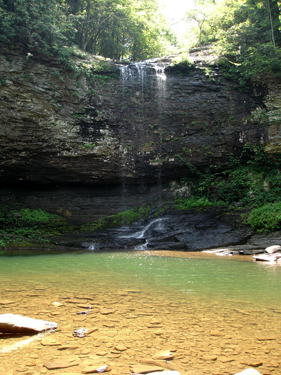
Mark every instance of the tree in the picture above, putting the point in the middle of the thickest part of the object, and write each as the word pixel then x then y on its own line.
pixel 199 16
pixel 39 25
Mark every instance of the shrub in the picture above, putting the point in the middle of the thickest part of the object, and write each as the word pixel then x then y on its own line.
pixel 266 218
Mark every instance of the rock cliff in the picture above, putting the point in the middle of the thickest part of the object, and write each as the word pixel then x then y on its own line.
pixel 126 124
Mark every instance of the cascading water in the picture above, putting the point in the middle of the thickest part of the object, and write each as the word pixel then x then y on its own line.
pixel 142 102
pixel 144 85
pixel 161 94
pixel 142 233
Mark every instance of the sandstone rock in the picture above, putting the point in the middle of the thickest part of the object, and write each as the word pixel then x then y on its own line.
pixel 255 363
pixel 50 341
pixel 264 258
pixel 107 311
pixel 209 357
pixel 120 347
pixel 97 368
pixel 144 369
pixel 61 364
pixel 160 363
pixel 273 249
pixel 163 354
pixel 11 323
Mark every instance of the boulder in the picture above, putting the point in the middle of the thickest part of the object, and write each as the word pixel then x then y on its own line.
pixel 10 323
pixel 273 249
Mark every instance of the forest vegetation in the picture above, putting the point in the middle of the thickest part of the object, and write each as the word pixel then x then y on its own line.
pixel 244 34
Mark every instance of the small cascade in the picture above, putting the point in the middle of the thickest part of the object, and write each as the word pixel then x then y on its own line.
pixel 142 233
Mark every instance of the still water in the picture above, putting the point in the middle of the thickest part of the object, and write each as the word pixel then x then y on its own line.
pixel 218 279
pixel 217 315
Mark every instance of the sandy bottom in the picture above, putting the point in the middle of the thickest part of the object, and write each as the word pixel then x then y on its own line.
pixel 212 338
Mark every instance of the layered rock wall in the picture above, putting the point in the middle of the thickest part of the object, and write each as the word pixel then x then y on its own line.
pixel 139 126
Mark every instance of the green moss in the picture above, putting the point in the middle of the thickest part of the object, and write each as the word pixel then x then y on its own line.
pixel 122 218
pixel 20 225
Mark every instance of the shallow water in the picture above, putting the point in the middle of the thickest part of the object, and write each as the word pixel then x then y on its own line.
pixel 220 314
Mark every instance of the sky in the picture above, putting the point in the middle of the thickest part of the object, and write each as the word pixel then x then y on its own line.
pixel 174 10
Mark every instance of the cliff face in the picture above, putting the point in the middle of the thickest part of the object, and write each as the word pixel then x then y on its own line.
pixel 136 126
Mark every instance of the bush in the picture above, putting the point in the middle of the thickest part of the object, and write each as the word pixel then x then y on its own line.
pixel 266 218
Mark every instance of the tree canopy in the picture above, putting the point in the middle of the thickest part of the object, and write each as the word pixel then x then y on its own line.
pixel 132 29
pixel 246 33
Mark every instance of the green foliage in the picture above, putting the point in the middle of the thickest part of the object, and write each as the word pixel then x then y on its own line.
pixel 19 225
pixel 253 178
pixel 181 65
pixel 116 28
pixel 122 218
pixel 266 218
pixel 186 204
pixel 244 33
pixel 39 25
pixel 89 145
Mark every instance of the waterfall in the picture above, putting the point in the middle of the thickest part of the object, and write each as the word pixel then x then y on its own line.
pixel 161 97
pixel 143 86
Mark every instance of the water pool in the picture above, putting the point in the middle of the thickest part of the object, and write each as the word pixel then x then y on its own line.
pixel 219 315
